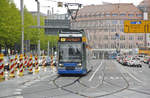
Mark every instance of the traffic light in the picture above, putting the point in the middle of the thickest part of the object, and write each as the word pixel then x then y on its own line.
pixel 60 4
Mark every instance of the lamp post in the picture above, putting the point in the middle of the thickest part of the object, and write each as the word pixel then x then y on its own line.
pixel 38 23
pixel 22 25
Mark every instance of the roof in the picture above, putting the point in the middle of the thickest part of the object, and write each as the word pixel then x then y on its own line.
pixel 145 3
pixel 115 8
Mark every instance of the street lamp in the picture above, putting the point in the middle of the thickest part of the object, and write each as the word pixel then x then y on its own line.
pixel 22 25
pixel 38 23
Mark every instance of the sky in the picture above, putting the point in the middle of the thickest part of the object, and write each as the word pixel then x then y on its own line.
pixel 46 5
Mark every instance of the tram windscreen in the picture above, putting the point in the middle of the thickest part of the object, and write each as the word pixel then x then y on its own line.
pixel 70 52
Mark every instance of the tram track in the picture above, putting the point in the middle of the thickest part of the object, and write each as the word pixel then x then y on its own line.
pixel 102 83
pixel 72 83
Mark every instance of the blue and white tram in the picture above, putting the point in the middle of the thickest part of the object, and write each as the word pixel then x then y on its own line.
pixel 72 52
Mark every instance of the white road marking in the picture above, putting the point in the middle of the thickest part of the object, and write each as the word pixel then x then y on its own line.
pixel 23 86
pixel 130 74
pixel 117 77
pixel 27 84
pixel 17 93
pixel 141 71
pixel 19 96
pixel 18 90
pixel 95 72
pixel 112 78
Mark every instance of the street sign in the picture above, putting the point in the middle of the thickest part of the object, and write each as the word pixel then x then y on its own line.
pixel 135 26
pixel 148 26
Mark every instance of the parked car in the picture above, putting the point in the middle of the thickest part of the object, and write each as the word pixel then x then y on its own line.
pixel 141 57
pixel 125 60
pixel 134 62
pixel 146 59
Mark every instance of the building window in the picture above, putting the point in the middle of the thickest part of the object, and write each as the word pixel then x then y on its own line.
pixel 122 14
pixel 102 15
pixel 121 30
pixel 130 46
pixel 121 21
pixel 122 37
pixel 106 45
pixel 131 38
pixel 113 30
pixel 112 46
pixel 107 14
pixel 114 14
pixel 114 22
pixel 105 37
pixel 106 30
pixel 140 38
pixel 130 15
pixel 113 37
pixel 139 15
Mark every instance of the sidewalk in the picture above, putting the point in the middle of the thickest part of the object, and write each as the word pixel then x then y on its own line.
pixel 8 88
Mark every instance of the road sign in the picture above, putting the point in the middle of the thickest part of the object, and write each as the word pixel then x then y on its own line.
pixel 135 26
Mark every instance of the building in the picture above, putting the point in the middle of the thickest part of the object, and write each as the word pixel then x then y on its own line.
pixel 144 6
pixel 56 22
pixel 104 24
pixel 35 13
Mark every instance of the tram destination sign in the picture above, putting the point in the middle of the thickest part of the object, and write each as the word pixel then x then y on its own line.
pixel 137 26
pixel 70 39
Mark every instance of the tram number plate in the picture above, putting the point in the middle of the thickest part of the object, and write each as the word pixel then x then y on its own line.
pixel 70 68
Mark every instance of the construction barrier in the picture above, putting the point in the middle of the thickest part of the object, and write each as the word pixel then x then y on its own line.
pixel 21 65
pixel 52 65
pixel 12 67
pixel 16 62
pixel 25 61
pixel 43 62
pixel 30 67
pixel 36 65
pixel 2 66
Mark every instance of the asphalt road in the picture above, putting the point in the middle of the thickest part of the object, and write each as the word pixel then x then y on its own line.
pixel 108 79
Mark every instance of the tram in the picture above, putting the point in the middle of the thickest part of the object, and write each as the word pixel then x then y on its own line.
pixel 72 52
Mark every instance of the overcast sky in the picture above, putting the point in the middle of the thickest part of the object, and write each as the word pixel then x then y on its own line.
pixel 48 4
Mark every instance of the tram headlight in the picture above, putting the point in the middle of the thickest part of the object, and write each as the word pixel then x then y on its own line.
pixel 61 65
pixel 80 64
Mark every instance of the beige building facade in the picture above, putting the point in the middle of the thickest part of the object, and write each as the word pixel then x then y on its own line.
pixel 104 25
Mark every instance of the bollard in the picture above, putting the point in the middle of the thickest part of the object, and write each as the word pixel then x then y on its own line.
pixel 2 67
pixel 43 62
pixel 12 67
pixel 30 65
pixel 25 61
pixel 36 64
pixel 16 62
pixel 52 65
pixel 21 66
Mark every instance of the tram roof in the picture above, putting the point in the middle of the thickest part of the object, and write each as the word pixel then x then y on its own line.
pixel 71 31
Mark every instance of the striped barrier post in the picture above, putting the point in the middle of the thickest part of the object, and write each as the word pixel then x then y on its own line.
pixel 12 67
pixel 52 65
pixel 16 62
pixel 43 62
pixel 36 64
pixel 25 61
pixel 30 65
pixel 2 66
pixel 21 66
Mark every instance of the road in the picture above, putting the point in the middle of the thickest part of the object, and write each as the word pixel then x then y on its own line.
pixel 108 79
